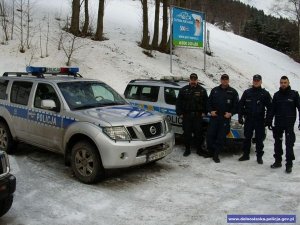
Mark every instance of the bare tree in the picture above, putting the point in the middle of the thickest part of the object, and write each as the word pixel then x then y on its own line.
pixel 41 48
pixel 47 36
pixel 12 20
pixel 71 44
pixel 20 4
pixel 74 29
pixel 145 37
pixel 290 9
pixel 86 18
pixel 164 39
pixel 156 25
pixel 99 31
pixel 28 21
pixel 4 19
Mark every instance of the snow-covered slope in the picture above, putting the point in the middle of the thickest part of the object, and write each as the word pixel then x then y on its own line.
pixel 119 59
pixel 265 5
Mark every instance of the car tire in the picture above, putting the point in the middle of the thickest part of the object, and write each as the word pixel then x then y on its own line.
pixel 86 163
pixel 5 204
pixel 7 143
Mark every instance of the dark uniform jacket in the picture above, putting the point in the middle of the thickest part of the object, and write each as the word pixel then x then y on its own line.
pixel 284 106
pixel 191 100
pixel 254 103
pixel 223 100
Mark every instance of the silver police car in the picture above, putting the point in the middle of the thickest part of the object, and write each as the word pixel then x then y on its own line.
pixel 83 119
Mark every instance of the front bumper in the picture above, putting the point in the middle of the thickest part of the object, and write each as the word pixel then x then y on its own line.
pixel 122 154
pixel 7 186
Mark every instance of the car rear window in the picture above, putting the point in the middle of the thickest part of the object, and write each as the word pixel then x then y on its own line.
pixel 3 87
pixel 142 92
pixel 20 92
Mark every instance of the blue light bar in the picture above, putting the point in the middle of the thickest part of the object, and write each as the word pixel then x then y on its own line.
pixel 32 69
pixel 52 70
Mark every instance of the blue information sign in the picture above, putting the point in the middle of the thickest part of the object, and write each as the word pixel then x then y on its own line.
pixel 187 27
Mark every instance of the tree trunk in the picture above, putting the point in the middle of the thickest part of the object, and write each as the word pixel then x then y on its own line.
pixel 299 38
pixel 145 38
pixel 164 39
pixel 156 25
pixel 86 18
pixel 99 32
pixel 74 29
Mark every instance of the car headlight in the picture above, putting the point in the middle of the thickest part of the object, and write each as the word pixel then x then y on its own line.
pixel 235 125
pixel 117 133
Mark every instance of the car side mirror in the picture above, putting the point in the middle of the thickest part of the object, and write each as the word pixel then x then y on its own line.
pixel 48 104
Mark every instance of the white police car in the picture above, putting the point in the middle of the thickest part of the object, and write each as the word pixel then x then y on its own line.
pixel 161 95
pixel 83 119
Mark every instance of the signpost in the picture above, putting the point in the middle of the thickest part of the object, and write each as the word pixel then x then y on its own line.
pixel 188 29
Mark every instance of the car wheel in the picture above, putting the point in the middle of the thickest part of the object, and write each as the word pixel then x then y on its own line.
pixel 86 162
pixel 6 140
pixel 5 204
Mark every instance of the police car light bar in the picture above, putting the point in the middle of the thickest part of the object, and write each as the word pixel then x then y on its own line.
pixel 52 70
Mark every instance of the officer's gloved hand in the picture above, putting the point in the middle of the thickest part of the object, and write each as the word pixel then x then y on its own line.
pixel 241 120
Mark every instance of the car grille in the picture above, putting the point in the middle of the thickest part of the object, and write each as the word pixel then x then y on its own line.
pixel 3 163
pixel 152 130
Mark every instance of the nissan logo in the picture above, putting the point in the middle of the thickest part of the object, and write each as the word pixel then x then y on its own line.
pixel 152 130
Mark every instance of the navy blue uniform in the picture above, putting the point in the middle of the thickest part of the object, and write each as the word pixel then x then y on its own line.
pixel 253 106
pixel 284 105
pixel 220 100
pixel 191 103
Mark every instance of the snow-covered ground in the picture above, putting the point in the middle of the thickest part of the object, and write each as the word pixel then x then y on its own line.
pixel 177 190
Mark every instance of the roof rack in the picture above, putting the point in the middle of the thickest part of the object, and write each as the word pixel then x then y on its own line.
pixel 155 80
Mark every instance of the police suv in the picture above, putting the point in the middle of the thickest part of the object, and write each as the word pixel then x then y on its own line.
pixel 83 119
pixel 161 95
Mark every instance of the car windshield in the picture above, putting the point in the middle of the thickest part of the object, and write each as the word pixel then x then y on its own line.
pixel 89 94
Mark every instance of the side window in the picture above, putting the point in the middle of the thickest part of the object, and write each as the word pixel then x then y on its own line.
pixel 131 92
pixel 20 92
pixel 149 93
pixel 3 87
pixel 46 92
pixel 171 95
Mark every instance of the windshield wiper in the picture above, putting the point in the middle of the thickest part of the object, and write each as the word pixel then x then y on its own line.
pixel 88 106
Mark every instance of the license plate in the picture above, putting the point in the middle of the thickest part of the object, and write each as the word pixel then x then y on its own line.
pixel 157 155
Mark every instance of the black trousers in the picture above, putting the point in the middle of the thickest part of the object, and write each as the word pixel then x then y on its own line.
pixel 192 123
pixel 216 134
pixel 290 139
pixel 250 126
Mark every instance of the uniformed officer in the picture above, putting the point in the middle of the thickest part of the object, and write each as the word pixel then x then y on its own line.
pixel 284 105
pixel 222 105
pixel 253 105
pixel 191 107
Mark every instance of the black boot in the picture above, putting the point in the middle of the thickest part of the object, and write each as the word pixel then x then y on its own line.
pixel 216 158
pixel 244 158
pixel 202 153
pixel 276 165
pixel 187 152
pixel 260 160
pixel 288 169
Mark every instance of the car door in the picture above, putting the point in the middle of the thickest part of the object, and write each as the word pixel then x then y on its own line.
pixel 45 124
pixel 18 107
pixel 169 108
